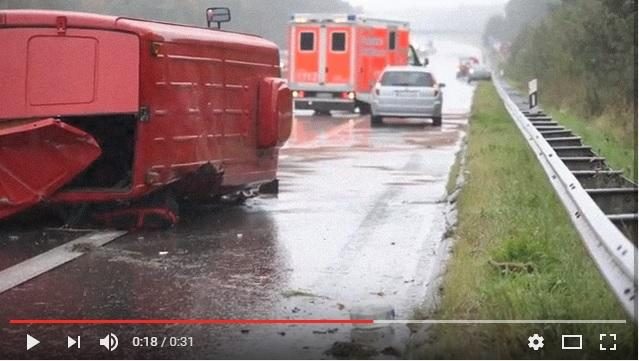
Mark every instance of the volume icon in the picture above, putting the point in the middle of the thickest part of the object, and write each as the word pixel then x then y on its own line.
pixel 110 342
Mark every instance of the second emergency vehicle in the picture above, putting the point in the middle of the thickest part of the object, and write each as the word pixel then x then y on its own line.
pixel 335 60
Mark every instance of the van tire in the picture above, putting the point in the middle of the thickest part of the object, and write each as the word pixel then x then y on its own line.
pixel 376 120
pixel 437 121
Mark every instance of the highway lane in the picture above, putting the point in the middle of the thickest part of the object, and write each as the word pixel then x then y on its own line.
pixel 358 223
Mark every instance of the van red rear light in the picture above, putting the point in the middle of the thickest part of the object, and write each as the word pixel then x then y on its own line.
pixel 348 95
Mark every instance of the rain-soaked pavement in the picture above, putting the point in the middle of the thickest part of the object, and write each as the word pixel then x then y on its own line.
pixel 359 222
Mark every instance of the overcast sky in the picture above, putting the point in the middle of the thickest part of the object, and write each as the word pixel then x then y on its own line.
pixel 468 16
pixel 377 6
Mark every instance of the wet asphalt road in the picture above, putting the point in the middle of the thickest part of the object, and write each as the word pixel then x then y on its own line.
pixel 359 222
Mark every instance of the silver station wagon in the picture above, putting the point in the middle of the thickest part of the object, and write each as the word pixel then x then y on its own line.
pixel 407 92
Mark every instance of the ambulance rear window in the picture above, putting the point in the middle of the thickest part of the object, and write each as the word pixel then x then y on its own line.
pixel 338 42
pixel 307 41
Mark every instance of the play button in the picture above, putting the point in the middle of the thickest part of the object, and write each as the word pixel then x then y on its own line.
pixel 31 342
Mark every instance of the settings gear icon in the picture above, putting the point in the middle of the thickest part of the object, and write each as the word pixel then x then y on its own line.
pixel 535 342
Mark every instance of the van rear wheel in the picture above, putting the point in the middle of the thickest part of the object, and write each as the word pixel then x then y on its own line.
pixel 437 121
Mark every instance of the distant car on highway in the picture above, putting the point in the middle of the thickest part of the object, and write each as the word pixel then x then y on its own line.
pixel 465 64
pixel 407 92
pixel 479 73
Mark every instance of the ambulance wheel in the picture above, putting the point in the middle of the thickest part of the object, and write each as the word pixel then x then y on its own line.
pixel 437 121
pixel 376 120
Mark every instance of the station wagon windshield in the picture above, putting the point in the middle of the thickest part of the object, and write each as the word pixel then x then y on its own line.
pixel 408 78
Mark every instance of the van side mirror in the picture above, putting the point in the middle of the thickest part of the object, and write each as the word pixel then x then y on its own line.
pixel 425 62
pixel 413 57
pixel 218 16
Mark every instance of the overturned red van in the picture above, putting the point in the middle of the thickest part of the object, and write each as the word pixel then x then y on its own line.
pixel 134 115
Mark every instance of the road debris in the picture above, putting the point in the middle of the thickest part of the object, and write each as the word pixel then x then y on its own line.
pixel 350 350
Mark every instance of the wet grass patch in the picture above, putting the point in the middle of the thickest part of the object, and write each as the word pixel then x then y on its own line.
pixel 517 257
pixel 606 137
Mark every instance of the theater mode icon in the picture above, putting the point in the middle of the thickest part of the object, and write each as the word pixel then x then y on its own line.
pixel 571 342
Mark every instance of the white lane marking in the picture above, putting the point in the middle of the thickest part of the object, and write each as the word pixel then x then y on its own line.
pixel 33 267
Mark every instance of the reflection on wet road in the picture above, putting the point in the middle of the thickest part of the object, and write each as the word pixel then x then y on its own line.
pixel 358 222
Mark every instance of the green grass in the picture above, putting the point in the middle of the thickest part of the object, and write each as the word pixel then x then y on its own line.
pixel 508 213
pixel 608 140
pixel 609 135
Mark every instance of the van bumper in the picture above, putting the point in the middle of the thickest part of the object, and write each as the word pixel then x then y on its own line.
pixel 324 104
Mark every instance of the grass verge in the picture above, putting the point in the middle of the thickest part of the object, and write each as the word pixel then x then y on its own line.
pixel 518 257
pixel 617 145
pixel 605 134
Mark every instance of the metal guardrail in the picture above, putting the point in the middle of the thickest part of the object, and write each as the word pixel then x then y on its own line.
pixel 613 253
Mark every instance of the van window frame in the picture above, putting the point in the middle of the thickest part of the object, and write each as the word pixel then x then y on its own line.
pixel 301 35
pixel 332 47
pixel 392 40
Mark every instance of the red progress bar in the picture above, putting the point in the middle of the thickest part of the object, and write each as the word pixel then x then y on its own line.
pixel 186 322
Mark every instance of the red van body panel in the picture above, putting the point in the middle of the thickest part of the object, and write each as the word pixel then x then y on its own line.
pixel 185 98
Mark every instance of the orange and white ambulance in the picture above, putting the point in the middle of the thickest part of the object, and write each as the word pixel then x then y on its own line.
pixel 335 60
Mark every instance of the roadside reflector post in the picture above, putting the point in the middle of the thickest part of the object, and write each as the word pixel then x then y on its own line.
pixel 533 97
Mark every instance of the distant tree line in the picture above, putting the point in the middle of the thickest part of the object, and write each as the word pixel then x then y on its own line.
pixel 583 52
pixel 266 18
